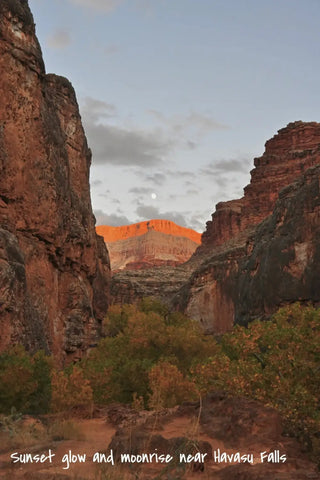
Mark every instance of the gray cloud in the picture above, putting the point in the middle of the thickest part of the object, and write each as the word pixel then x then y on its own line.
pixel 226 166
pixel 191 145
pixel 113 220
pixel 196 224
pixel 192 191
pixel 123 147
pixel 96 183
pixel 148 212
pixel 93 110
pixel 141 190
pixel 183 173
pixel 196 121
pixel 187 183
pixel 59 39
pixel 119 146
pixel 156 178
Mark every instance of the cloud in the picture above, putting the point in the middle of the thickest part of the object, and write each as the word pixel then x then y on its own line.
pixel 196 122
pixel 191 145
pixel 94 110
pixel 148 212
pixel 141 190
pixel 117 145
pixel 113 220
pixel 192 191
pixel 196 224
pixel 59 39
pixel 226 166
pixel 156 178
pixel 105 6
pixel 182 173
pixel 96 183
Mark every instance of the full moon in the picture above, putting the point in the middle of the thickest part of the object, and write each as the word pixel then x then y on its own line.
pixel 154 196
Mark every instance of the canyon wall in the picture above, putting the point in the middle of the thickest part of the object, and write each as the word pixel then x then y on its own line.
pixel 258 252
pixel 148 244
pixel 287 155
pixel 262 251
pixel 54 269
pixel 113 234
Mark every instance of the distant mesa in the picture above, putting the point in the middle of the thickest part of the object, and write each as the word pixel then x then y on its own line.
pixel 148 244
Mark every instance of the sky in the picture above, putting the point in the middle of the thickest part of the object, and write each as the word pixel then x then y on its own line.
pixel 177 97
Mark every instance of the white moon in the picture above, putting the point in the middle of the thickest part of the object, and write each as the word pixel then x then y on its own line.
pixel 154 196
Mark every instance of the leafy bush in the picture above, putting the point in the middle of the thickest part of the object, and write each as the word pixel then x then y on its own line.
pixel 139 339
pixel 169 387
pixel 71 392
pixel 24 381
pixel 151 357
pixel 276 362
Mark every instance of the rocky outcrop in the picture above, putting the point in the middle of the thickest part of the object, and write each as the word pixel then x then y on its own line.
pixel 149 244
pixel 113 234
pixel 163 283
pixel 54 269
pixel 283 263
pixel 262 251
pixel 287 155
pixel 258 252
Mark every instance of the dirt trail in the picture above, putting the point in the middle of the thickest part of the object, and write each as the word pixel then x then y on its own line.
pixel 94 435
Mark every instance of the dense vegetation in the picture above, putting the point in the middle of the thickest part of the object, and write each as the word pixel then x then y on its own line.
pixel 153 359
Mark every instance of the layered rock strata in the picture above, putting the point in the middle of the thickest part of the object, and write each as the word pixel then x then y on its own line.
pixel 149 244
pixel 287 156
pixel 113 234
pixel 262 251
pixel 54 269
pixel 163 283
pixel 258 252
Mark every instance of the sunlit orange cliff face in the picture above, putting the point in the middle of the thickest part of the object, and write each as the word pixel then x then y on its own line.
pixel 148 244
pixel 112 234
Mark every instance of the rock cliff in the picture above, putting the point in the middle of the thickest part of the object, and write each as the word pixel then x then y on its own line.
pixel 113 234
pixel 287 155
pixel 54 269
pixel 148 244
pixel 258 252
pixel 262 251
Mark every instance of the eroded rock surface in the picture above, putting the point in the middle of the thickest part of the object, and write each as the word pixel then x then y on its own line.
pixel 258 252
pixel 287 156
pixel 149 244
pixel 54 269
pixel 262 251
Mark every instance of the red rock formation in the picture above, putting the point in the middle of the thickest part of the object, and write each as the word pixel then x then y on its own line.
pixel 113 234
pixel 149 244
pixel 287 155
pixel 261 251
pixel 240 271
pixel 54 269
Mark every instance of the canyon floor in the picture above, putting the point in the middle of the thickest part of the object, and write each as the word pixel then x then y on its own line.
pixel 220 424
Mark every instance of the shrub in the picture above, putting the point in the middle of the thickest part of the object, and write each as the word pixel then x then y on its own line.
pixel 71 392
pixel 24 381
pixel 139 339
pixel 169 387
